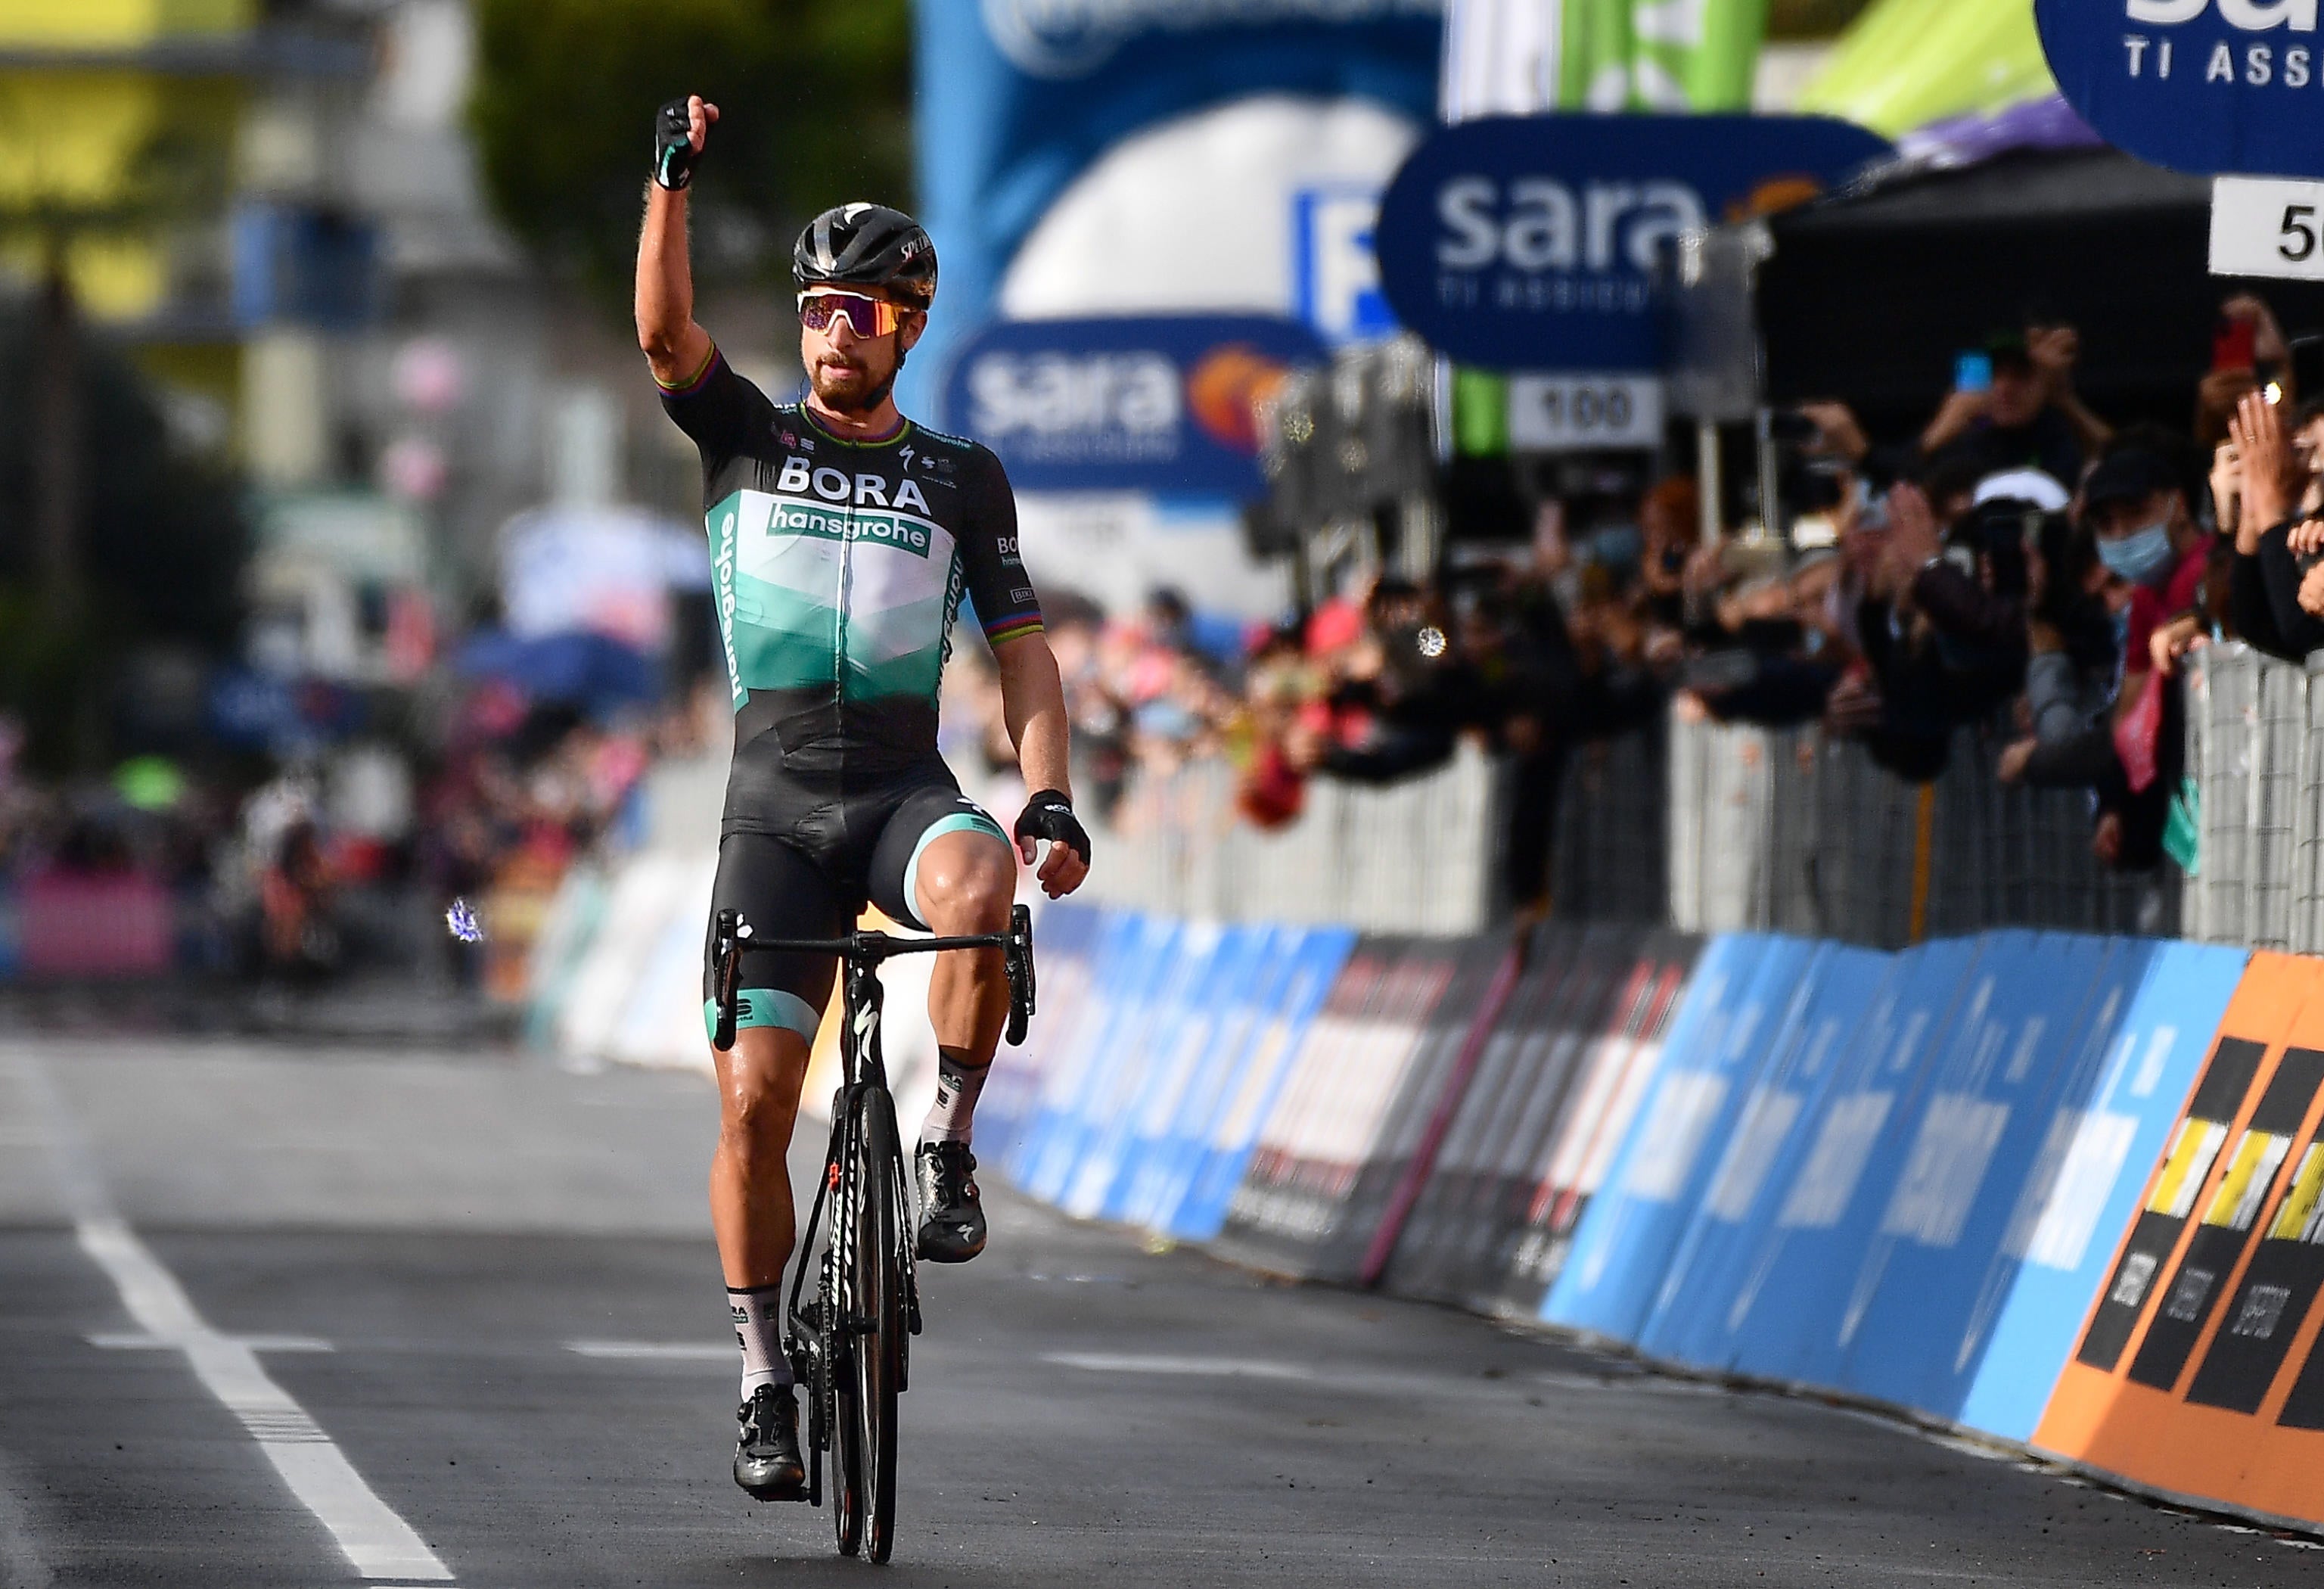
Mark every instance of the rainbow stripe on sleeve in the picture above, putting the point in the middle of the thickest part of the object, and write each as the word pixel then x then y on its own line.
pixel 695 382
pixel 1000 631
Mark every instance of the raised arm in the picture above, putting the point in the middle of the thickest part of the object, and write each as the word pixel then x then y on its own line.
pixel 675 347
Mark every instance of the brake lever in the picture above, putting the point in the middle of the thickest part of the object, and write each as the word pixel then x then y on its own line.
pixel 732 931
pixel 1018 961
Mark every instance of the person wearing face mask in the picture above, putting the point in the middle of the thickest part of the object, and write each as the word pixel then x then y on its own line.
pixel 2147 538
pixel 2154 551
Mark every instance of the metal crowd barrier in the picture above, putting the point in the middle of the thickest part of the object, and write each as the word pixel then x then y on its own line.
pixel 1786 830
pixel 1416 856
pixel 2256 754
pixel 1610 848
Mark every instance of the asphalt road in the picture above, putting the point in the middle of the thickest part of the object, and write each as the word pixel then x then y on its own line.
pixel 267 1315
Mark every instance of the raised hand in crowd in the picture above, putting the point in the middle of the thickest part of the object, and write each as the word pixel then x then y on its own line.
pixel 2171 640
pixel 1838 433
pixel 1913 535
pixel 2053 350
pixel 1955 415
pixel 2269 486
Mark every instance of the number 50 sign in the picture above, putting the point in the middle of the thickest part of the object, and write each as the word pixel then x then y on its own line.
pixel 2264 227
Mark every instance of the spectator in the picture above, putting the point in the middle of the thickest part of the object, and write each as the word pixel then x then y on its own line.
pixel 2028 415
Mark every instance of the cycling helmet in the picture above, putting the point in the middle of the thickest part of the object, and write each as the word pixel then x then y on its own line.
pixel 867 245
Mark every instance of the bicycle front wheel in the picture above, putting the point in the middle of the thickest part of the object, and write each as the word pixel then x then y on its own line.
pixel 876 1258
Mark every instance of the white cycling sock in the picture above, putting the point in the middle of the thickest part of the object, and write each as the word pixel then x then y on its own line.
pixel 958 1084
pixel 757 1329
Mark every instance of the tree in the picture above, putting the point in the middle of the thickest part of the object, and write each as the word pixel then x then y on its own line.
pixel 815 98
pixel 160 543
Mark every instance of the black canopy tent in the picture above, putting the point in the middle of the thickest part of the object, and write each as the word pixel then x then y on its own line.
pixel 1870 296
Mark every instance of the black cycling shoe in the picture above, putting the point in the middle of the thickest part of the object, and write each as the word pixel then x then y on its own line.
pixel 767 1461
pixel 951 1220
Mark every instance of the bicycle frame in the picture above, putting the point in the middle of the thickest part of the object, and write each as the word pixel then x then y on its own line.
pixel 819 1353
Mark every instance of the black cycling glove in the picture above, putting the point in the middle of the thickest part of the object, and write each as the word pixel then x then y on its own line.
pixel 1050 815
pixel 673 166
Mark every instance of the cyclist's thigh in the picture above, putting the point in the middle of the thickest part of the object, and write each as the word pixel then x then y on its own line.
pixel 781 894
pixel 922 816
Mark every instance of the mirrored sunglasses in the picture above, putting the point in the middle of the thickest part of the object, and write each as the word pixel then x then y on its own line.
pixel 866 317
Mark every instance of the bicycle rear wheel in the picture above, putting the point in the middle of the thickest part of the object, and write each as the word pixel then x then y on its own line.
pixel 877 1254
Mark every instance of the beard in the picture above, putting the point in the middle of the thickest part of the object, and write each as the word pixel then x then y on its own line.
pixel 853 385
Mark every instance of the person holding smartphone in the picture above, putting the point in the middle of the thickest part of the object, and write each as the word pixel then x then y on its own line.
pixel 2013 406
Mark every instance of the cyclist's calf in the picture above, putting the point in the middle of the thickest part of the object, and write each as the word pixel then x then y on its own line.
pixel 759 1082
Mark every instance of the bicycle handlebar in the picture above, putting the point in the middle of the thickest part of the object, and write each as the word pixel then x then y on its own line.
pixel 734 939
pixel 876 946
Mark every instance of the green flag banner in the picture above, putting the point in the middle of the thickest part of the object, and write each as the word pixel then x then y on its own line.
pixel 1666 55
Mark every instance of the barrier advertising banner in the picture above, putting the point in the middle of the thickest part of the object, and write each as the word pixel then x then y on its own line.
pixel 1534 241
pixel 1287 993
pixel 1159 403
pixel 1749 985
pixel 1710 1265
pixel 1782 1320
pixel 2211 87
pixel 1610 1018
pixel 2197 1373
pixel 1447 1233
pixel 1909 1330
pixel 1292 1211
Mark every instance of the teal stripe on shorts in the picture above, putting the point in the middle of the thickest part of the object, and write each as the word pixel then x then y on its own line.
pixel 765 1007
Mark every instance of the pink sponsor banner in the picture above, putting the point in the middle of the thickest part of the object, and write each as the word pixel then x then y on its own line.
pixel 102 924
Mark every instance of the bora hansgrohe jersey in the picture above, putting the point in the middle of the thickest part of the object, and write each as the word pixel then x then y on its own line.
pixel 837 568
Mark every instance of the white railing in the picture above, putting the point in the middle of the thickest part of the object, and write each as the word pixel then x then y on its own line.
pixel 1416 856
pixel 2255 753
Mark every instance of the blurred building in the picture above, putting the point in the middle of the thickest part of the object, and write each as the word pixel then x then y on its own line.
pixel 275 208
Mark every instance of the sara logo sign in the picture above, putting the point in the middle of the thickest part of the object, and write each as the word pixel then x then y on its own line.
pixel 2202 86
pixel 1534 241
pixel 1073 37
pixel 1162 403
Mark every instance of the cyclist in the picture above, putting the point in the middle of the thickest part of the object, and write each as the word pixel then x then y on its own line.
pixel 843 537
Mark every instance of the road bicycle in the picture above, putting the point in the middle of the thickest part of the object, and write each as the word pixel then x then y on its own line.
pixel 847 1346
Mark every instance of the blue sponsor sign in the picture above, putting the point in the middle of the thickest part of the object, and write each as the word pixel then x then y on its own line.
pixel 2209 86
pixel 1283 1009
pixel 1017 99
pixel 1783 1320
pixel 1117 961
pixel 1148 1079
pixel 1066 936
pixel 1536 241
pixel 1738 1203
pixel 1745 991
pixel 1911 1329
pixel 1149 958
pixel 1162 403
pixel 1177 1118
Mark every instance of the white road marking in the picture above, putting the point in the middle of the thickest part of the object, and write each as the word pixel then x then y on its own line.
pixel 1230 1368
pixel 131 1341
pixel 377 1542
pixel 656 1351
